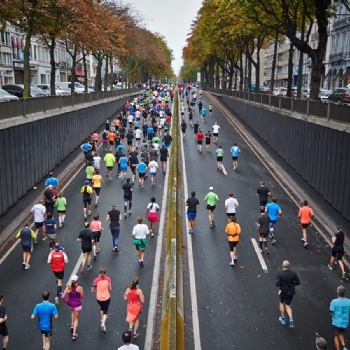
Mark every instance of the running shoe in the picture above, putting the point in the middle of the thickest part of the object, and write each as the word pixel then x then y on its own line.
pixel 282 320
pixel 44 238
pixel 89 267
pixel 305 245
pixel 135 335
pixel 97 251
pixel 260 250
pixel 103 328
pixel 95 256
pixel 89 213
pixel 27 267
pixel 302 239
pixel 152 234
pixel 57 301
pixel 153 184
pixel 75 336
pixel 23 265
pixel 116 248
pixel 71 328
pixel 330 267
pixel 106 174
pixel 273 241
pixel 232 263
pixel 291 324
pixel 211 225
pixel 96 204
pixel 125 216
pixel 142 264
pixel 267 251
pixel 235 257
pixel 60 225
pixel 130 212
pixel 343 276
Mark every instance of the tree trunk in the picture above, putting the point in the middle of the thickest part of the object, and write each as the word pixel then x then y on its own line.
pixel 53 67
pixel 257 70
pixel 217 79
pixel 98 83
pixel 273 67
pixel 26 66
pixel 290 70
pixel 74 63
pixel 111 81
pixel 236 73
pixel 241 73
pixel 85 72
pixel 106 74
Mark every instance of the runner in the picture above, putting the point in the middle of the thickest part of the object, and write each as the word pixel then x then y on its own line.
pixel 219 156
pixel 86 147
pixel 182 111
pixel 50 198
pixel 149 134
pixel 200 106
pixel 286 280
pixel 233 231
pixel 45 311
pixel 203 114
pixel 27 236
pixel 3 328
pixel 235 152
pixel 152 215
pixel 49 229
pixel 87 240
pixel 114 216
pixel 200 137
pixel 263 192
pixel 75 294
pixel 142 168
pixel 96 228
pixel 87 192
pixel 190 117
pixel 57 258
pixel 263 224
pixel 97 161
pixel 89 170
pixel 52 181
pixel 306 214
pixel 61 206
pixel 123 161
pixel 167 139
pixel 130 136
pixel 109 159
pixel 195 129
pixel 340 310
pixel 164 154
pixel 140 233
pixel 153 169
pixel 338 250
pixel 127 191
pixel 138 134
pixel 208 140
pixel 216 129
pixel 135 298
pixel 274 211
pixel 212 200
pixel 183 129
pixel 126 336
pixel 102 285
pixel 104 140
pixel 192 204
pixel 97 180
pixel 231 204
pixel 210 107
pixel 154 153
pixel 111 137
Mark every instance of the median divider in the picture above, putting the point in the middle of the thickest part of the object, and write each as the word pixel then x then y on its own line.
pixel 172 334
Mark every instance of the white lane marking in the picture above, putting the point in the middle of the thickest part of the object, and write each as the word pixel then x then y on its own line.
pixel 156 269
pixel 223 169
pixel 195 318
pixel 76 268
pixel 261 259
pixel 32 225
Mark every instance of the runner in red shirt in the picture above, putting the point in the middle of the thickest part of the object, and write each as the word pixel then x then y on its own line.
pixel 200 137
pixel 305 215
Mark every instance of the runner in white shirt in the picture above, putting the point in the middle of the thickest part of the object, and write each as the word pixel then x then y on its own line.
pixel 130 120
pixel 152 215
pixel 39 212
pixel 140 233
pixel 153 168
pixel 138 114
pixel 138 134
pixel 97 161
pixel 127 342
pixel 216 129
pixel 231 204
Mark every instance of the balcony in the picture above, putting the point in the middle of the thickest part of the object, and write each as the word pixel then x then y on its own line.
pixel 340 23
pixel 337 57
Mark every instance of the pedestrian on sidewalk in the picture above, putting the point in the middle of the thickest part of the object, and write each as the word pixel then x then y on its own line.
pixel 102 285
pixel 192 204
pixel 135 298
pixel 3 328
pixel 96 228
pixel 39 212
pixel 87 193
pixel 286 280
pixel 27 236
pixel 233 231
pixel 212 200
pixel 340 310
pixel 219 157
pixel 231 204
pixel 152 214
pixel 263 224
pixel 49 229
pixel 114 216
pixel 45 311
pixel 126 336
pixel 274 211
pixel 57 259
pixel 140 233
pixel 61 207
pixel 75 294
pixel 306 214
pixel 338 250
pixel 263 192
pixel 86 239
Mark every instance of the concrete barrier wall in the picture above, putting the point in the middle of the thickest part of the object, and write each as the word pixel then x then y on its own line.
pixel 319 153
pixel 30 150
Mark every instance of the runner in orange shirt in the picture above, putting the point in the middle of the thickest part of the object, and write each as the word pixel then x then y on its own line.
pixel 305 215
pixel 111 137
pixel 233 231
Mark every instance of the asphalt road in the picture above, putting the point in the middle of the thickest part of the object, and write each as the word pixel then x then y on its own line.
pixel 238 306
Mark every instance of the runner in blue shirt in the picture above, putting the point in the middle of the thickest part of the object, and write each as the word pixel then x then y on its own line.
pixel 149 134
pixel 85 147
pixel 142 169
pixel 121 148
pixel 274 211
pixel 51 181
pixel 45 311
pixel 204 112
pixel 235 150
pixel 123 161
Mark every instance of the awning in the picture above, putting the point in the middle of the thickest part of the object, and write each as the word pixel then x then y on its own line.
pixel 81 79
pixel 79 71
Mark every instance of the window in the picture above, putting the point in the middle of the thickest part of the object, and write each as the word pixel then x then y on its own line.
pixel 34 52
pixel 6 59
pixel 5 38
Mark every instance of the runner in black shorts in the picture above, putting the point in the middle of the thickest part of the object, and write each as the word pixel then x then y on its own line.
pixel 127 189
pixel 207 140
pixel 338 250
pixel 3 328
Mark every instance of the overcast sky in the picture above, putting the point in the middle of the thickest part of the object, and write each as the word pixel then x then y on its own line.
pixel 172 19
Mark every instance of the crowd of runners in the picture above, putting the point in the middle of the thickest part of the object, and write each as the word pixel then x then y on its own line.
pixel 135 149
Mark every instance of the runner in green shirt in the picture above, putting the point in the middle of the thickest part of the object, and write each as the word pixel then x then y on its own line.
pixel 219 156
pixel 210 107
pixel 212 200
pixel 109 160
pixel 61 206
pixel 89 172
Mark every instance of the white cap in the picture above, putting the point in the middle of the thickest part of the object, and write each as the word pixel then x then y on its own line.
pixel 211 188
pixel 74 278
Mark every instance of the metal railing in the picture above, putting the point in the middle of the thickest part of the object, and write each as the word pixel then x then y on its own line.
pixel 325 110
pixel 25 107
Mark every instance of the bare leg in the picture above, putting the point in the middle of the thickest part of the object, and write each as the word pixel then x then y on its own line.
pixel 282 310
